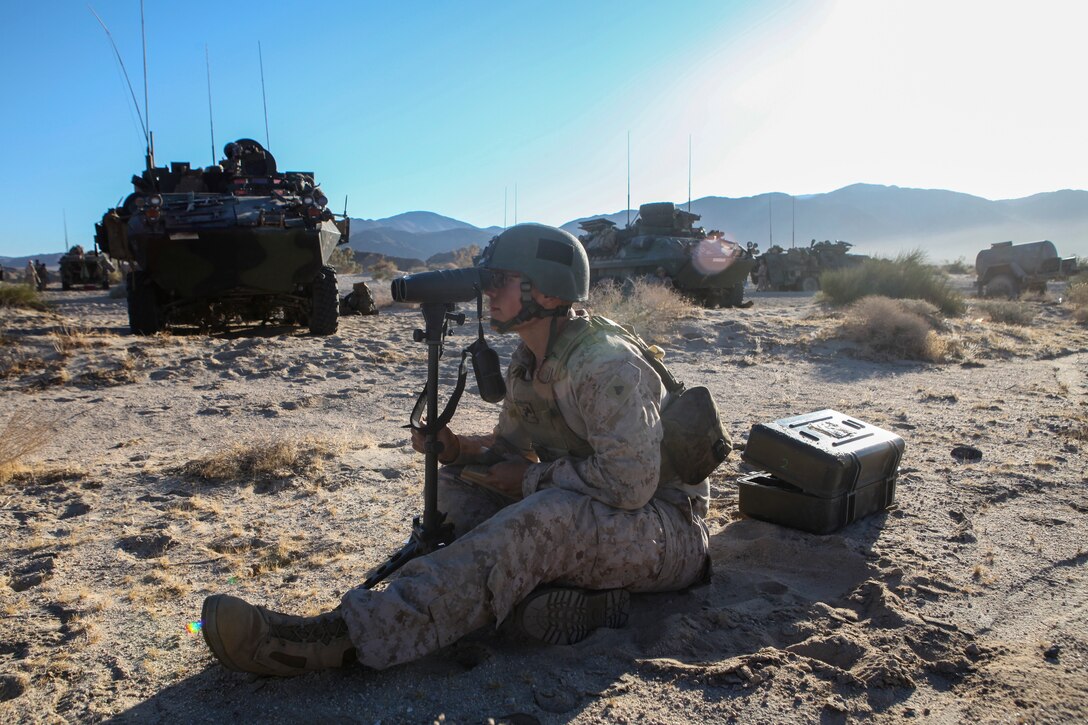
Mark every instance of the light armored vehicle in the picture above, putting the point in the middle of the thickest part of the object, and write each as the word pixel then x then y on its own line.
pixel 799 268
pixel 238 240
pixel 1007 269
pixel 663 246
pixel 84 270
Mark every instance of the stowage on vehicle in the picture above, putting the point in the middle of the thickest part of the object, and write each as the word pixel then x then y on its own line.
pixel 238 240
pixel 664 246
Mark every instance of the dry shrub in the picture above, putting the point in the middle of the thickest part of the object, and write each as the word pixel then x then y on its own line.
pixel 384 269
pixel 24 433
pixel 1009 312
pixel 908 276
pixel 893 331
pixel 67 338
pixel 22 296
pixel 653 310
pixel 273 458
pixel 1078 296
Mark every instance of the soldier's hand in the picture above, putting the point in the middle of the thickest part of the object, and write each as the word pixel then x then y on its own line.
pixel 450 445
pixel 506 477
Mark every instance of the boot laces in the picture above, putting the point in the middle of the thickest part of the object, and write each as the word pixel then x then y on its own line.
pixel 324 629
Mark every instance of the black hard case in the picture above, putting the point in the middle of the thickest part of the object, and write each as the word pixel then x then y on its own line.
pixel 768 498
pixel 826 453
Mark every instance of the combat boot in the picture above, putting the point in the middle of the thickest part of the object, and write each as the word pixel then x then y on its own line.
pixel 565 615
pixel 253 639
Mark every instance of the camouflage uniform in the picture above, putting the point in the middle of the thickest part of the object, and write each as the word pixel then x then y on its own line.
pixel 595 512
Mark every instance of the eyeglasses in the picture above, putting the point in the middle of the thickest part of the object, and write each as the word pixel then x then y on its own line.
pixel 498 278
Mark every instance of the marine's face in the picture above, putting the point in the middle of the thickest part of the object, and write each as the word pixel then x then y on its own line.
pixel 503 296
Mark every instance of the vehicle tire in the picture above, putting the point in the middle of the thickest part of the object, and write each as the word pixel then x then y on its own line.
pixel 325 312
pixel 1003 286
pixel 144 313
pixel 64 285
pixel 735 295
pixel 810 284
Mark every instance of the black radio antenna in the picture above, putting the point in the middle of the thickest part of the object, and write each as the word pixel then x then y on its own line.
pixel 147 109
pixel 211 122
pixel 124 71
pixel 264 98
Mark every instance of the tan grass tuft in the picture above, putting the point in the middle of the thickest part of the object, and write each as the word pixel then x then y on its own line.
pixel 270 458
pixel 652 310
pixel 24 433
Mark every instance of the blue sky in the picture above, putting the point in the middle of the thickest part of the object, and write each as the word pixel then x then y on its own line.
pixel 450 107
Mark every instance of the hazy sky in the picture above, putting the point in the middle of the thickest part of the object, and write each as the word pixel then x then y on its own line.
pixel 451 106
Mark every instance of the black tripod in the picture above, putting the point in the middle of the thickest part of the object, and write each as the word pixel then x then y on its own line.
pixel 432 532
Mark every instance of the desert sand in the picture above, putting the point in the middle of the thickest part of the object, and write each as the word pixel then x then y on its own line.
pixel 967 602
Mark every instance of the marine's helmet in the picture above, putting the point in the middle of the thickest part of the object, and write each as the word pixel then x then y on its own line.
pixel 551 259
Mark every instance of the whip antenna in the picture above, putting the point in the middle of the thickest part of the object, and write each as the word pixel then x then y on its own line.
pixel 628 178
pixel 689 173
pixel 147 110
pixel 124 71
pixel 211 122
pixel 264 98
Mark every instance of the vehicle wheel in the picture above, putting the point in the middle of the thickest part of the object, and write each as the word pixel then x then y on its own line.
pixel 144 314
pixel 105 284
pixel 325 312
pixel 810 284
pixel 735 295
pixel 1003 285
pixel 64 285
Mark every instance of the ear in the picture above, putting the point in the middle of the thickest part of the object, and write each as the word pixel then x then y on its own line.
pixel 547 301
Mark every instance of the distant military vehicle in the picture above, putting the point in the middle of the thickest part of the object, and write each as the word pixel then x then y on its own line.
pixel 799 268
pixel 236 240
pixel 84 270
pixel 1007 269
pixel 663 246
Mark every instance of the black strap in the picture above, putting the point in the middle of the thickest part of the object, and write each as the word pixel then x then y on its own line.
pixel 414 420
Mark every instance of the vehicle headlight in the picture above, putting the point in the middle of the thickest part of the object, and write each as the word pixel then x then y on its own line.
pixel 154 200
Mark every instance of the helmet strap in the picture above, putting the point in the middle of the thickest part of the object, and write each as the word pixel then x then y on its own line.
pixel 530 310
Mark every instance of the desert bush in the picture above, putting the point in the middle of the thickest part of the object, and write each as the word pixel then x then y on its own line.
pixel 464 256
pixel 1077 294
pixel 1009 312
pixel 653 310
pixel 384 269
pixel 24 433
pixel 343 260
pixel 891 330
pixel 959 266
pixel 21 295
pixel 905 277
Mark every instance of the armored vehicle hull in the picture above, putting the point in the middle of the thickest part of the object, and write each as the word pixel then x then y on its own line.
pixel 798 269
pixel 84 270
pixel 662 246
pixel 236 241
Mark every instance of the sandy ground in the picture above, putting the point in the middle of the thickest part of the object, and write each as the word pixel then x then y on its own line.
pixel 967 602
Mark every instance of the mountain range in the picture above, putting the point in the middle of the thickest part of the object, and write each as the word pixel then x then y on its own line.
pixel 877 220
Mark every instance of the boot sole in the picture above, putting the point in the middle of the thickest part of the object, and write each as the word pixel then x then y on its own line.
pixel 566 616
pixel 210 629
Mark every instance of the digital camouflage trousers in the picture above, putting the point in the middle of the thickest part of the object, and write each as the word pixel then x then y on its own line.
pixel 504 549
